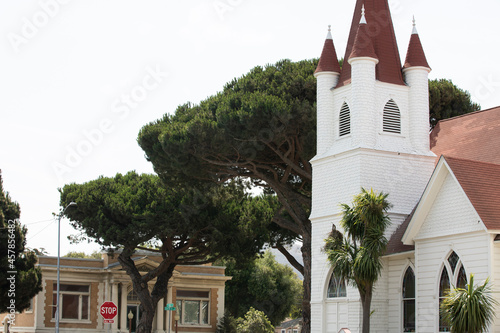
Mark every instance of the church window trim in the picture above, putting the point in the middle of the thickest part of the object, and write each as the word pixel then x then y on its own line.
pixel 391 122
pixel 408 300
pixel 336 287
pixel 344 120
pixel 452 274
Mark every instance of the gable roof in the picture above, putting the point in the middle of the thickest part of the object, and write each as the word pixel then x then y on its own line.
pixel 473 136
pixel 480 182
pixel 470 147
pixel 383 39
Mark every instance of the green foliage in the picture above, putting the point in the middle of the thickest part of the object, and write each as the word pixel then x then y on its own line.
pixel 75 254
pixel 356 256
pixel 130 210
pixel 255 322
pixel 261 127
pixel 263 284
pixel 227 324
pixel 14 256
pixel 446 100
pixel 471 309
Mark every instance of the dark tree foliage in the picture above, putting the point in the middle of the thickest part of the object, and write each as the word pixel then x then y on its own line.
pixel 14 257
pixel 185 224
pixel 446 100
pixel 227 324
pixel 263 284
pixel 262 127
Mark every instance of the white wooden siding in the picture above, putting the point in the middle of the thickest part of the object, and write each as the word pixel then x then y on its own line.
pixel 473 250
pixel 451 213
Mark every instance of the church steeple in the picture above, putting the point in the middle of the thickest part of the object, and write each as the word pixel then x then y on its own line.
pixel 415 57
pixel 328 61
pixel 363 45
pixel 380 32
pixel 327 75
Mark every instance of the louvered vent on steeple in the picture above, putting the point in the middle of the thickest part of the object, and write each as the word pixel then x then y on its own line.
pixel 392 118
pixel 345 120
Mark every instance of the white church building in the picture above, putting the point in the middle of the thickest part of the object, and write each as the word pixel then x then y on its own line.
pixel 373 132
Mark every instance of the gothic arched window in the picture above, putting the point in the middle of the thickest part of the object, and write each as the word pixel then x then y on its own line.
pixel 345 120
pixel 453 274
pixel 336 287
pixel 392 118
pixel 409 301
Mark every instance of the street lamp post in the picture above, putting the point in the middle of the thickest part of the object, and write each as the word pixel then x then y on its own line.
pixel 177 318
pixel 59 260
pixel 130 316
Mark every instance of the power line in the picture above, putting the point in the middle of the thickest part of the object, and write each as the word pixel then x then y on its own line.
pixel 50 220
pixel 48 225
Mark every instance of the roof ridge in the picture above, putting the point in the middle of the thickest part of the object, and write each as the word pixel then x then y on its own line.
pixel 447 157
pixel 469 114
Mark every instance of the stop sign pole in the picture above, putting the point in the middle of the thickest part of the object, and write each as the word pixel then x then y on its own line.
pixel 108 311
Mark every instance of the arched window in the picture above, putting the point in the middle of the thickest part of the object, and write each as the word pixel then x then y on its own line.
pixel 392 118
pixel 453 274
pixel 345 120
pixel 336 287
pixel 409 301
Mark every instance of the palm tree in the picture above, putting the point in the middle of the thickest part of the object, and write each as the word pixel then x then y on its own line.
pixel 355 256
pixel 469 309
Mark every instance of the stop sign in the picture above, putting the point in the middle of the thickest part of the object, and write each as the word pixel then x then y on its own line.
pixel 108 311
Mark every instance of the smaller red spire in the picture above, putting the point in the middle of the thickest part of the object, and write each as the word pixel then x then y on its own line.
pixel 363 44
pixel 415 57
pixel 328 61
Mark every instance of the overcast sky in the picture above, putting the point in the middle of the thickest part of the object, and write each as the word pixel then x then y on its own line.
pixel 80 78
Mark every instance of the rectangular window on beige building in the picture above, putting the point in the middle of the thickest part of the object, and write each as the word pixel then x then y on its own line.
pixel 73 302
pixel 193 307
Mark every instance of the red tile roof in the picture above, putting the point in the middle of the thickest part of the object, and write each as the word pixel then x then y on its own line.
pixel 381 31
pixel 415 55
pixel 328 61
pixel 481 183
pixel 473 136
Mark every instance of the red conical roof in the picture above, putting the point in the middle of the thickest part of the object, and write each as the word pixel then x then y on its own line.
pixel 381 31
pixel 328 61
pixel 415 56
pixel 363 46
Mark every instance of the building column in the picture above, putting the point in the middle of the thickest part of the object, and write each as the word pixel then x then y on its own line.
pixel 114 299
pixel 160 311
pixel 123 310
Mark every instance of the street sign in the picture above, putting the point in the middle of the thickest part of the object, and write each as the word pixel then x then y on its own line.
pixel 108 311
pixel 170 307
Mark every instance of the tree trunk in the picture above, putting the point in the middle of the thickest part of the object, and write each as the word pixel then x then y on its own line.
pixel 146 321
pixel 148 301
pixel 366 302
pixel 306 302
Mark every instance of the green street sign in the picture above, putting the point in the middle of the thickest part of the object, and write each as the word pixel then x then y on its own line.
pixel 170 307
